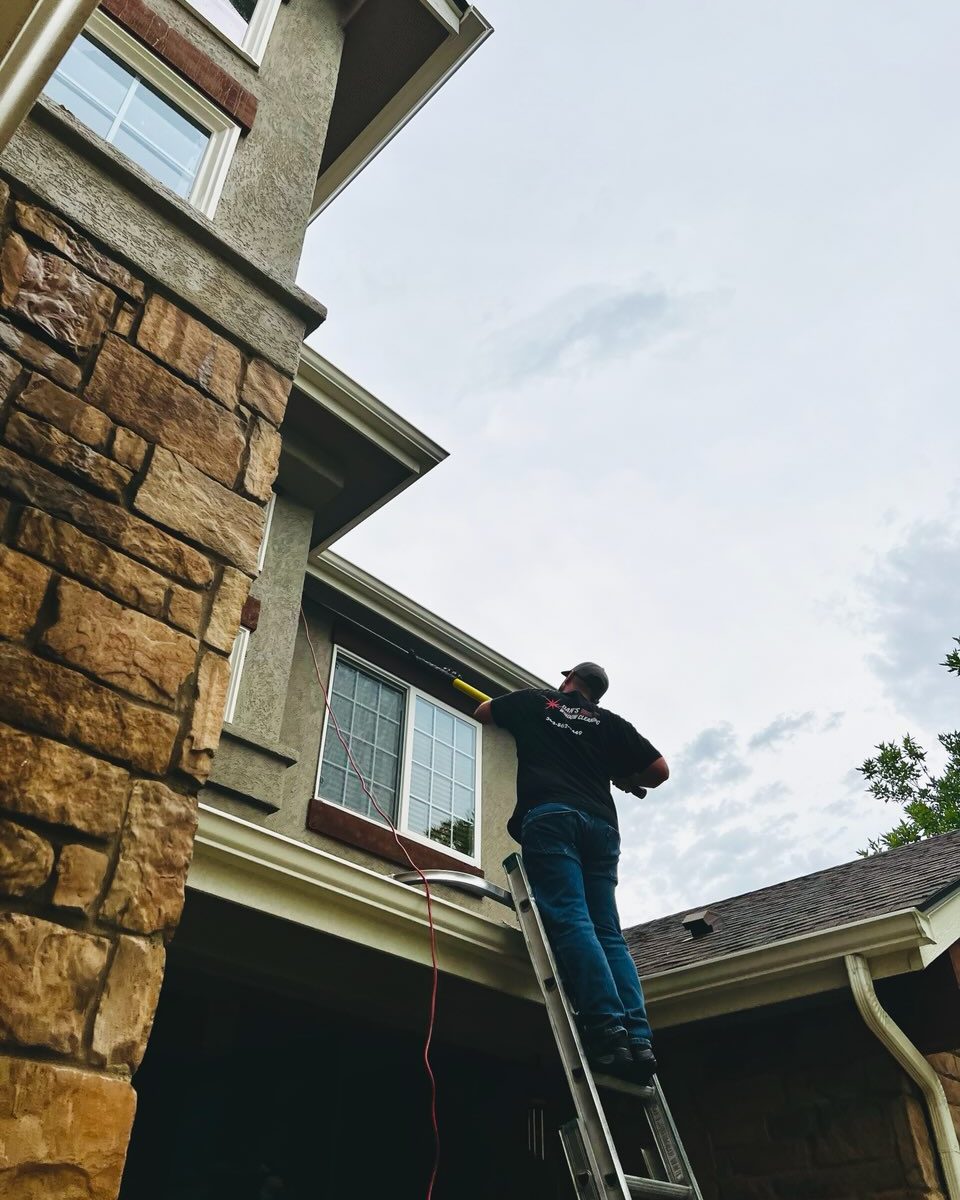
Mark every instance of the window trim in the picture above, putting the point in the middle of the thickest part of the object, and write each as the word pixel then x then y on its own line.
pixel 223 130
pixel 236 660
pixel 411 692
pixel 259 30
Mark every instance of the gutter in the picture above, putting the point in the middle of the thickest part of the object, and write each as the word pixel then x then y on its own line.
pixel 882 1025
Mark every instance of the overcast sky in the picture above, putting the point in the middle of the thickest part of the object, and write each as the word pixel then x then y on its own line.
pixel 678 288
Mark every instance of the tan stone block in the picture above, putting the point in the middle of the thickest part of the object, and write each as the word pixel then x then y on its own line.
pixel 915 1144
pixel 266 391
pixel 185 609
pixel 53 699
pixel 81 871
pixel 119 645
pixel 129 1002
pixel 50 980
pixel 57 233
pixel 203 736
pixel 50 292
pixel 26 860
pixel 72 457
pixel 68 412
pixel 60 785
pixel 39 355
pixel 192 349
pixel 37 486
pixel 945 1064
pixel 139 393
pixel 9 374
pixel 264 459
pixel 129 448
pixel 177 495
pixel 224 620
pixel 63 1131
pixel 123 321
pixel 146 895
pixel 23 583
pixel 4 199
pixel 65 547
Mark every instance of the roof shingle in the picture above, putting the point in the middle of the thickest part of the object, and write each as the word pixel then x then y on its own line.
pixel 911 877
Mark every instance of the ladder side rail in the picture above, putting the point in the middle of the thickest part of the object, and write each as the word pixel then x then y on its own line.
pixel 672 1151
pixel 595 1132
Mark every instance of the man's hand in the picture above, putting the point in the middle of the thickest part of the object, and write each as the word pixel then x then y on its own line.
pixel 639 782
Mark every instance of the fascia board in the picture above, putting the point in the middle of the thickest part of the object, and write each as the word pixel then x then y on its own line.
pixel 785 970
pixel 472 31
pixel 361 411
pixel 944 919
pixel 350 580
pixel 246 864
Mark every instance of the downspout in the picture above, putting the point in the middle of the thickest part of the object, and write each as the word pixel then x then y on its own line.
pixel 879 1022
pixel 34 53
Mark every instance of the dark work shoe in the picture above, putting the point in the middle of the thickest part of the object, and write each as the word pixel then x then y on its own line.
pixel 609 1054
pixel 644 1063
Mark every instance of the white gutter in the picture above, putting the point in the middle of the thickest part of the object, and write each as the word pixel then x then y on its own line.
pixel 36 34
pixel 804 965
pixel 246 864
pixel 881 1024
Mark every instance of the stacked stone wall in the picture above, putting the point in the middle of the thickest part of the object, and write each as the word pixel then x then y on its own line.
pixel 137 451
pixel 805 1107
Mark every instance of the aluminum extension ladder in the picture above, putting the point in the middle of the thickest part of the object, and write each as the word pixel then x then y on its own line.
pixel 587 1141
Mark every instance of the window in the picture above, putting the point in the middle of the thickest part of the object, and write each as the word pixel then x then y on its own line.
pixel 246 23
pixel 132 100
pixel 420 759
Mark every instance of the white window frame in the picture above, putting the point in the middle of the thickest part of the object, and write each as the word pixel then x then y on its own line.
pixel 254 44
pixel 411 692
pixel 241 642
pixel 237 656
pixel 224 132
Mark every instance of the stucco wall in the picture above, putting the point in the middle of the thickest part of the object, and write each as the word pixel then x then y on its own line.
pixel 266 199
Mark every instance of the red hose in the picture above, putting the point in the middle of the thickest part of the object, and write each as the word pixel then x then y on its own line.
pixel 432 1017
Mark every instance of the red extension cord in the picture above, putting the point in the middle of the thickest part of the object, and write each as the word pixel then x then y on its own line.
pixel 431 1021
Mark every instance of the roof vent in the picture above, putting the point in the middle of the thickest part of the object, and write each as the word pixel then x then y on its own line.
pixel 701 922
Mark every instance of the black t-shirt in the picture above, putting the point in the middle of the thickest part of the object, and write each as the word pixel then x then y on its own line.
pixel 568 750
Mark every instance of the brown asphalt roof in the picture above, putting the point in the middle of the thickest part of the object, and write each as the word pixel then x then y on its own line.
pixel 911 877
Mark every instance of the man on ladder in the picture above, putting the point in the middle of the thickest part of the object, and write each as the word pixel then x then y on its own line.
pixel 568 752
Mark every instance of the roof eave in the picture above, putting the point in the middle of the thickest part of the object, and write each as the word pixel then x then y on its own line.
pixel 402 612
pixel 472 31
pixel 894 944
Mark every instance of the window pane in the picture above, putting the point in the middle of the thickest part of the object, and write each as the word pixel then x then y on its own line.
pixel 162 140
pixel 114 103
pixel 445 776
pixel 90 84
pixel 231 17
pixel 358 701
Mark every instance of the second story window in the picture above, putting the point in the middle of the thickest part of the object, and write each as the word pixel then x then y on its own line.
pixel 246 23
pixel 133 101
pixel 420 759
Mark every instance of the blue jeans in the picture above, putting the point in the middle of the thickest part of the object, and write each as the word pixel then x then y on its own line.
pixel 571 860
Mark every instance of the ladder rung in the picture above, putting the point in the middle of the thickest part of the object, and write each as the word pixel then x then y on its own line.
pixel 653 1187
pixel 610 1083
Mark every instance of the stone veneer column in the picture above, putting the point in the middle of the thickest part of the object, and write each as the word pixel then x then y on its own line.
pixel 137 451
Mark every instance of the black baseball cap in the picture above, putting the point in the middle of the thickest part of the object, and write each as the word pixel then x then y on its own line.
pixel 594 674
